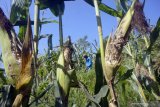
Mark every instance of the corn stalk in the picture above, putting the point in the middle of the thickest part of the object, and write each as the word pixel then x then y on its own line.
pixel 105 69
pixel 102 47
pixel 100 34
pixel 36 25
pixel 36 33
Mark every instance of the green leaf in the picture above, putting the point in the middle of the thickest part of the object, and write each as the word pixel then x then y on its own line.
pixel 99 73
pixel 2 77
pixel 91 2
pixel 147 61
pixel 48 21
pixel 44 36
pixel 110 10
pixel 56 6
pixel 50 46
pixel 125 76
pixel 99 86
pixel 8 96
pixel 106 8
pixel 57 94
pixel 58 9
pixel 24 22
pixel 19 9
pixel 123 4
pixel 101 94
pixel 154 34
pixel 42 94
pixel 22 31
pixel 88 95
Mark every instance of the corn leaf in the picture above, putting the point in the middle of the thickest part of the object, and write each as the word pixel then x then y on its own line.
pixel 99 98
pixel 53 5
pixel 88 95
pixel 103 7
pixel 125 76
pixel 56 6
pixel 2 77
pixel 91 2
pixel 24 22
pixel 8 96
pixel 99 73
pixel 22 31
pixel 154 34
pixel 18 8
pixel 123 4
pixel 42 94
pixel 101 94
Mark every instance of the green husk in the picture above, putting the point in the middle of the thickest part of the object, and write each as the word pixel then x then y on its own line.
pixel 62 76
pixel 11 49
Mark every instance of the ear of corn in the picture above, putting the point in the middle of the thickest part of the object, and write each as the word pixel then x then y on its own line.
pixel 62 75
pixel 115 45
pixel 125 22
pixel 114 49
pixel 11 49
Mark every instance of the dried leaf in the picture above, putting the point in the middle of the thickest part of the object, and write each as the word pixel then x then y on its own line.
pixel 23 84
pixel 27 51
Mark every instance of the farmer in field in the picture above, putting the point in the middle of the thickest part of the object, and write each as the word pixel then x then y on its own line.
pixel 88 61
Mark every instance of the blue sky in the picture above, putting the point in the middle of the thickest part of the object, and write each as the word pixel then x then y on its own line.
pixel 79 20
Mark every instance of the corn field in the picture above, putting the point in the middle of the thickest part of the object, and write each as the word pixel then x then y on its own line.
pixel 126 64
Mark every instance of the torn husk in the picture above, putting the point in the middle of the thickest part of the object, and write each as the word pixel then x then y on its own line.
pixel 115 45
pixel 114 49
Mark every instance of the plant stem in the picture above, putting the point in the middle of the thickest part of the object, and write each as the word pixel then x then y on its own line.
pixel 50 45
pixel 100 35
pixel 60 32
pixel 36 25
pixel 36 33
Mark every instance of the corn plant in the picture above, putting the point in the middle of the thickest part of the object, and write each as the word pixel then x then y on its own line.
pixel 142 62
pixel 139 71
pixel 18 60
